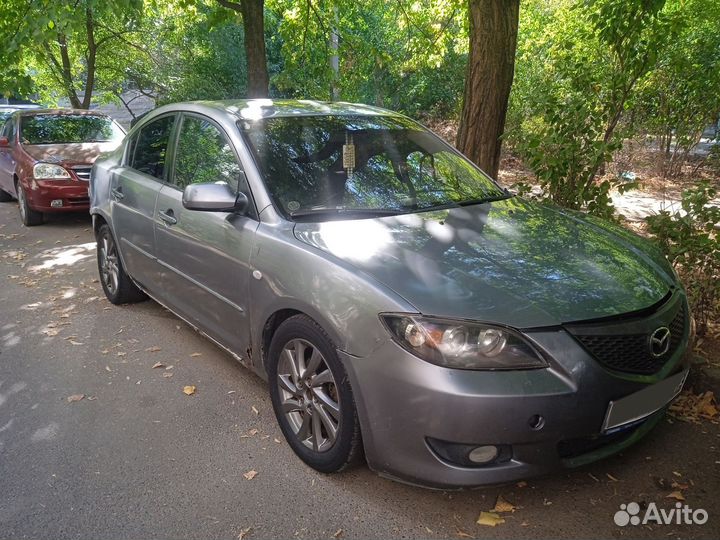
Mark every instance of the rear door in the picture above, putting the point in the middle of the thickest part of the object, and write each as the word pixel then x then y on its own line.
pixel 205 255
pixel 134 191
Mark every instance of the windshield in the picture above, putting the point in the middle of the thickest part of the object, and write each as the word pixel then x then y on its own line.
pixel 68 128
pixel 361 164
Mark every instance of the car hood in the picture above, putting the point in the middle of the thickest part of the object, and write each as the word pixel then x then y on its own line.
pixel 511 262
pixel 71 153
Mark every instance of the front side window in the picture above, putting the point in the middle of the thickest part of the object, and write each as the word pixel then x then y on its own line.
pixel 204 155
pixel 68 128
pixel 151 145
pixel 316 164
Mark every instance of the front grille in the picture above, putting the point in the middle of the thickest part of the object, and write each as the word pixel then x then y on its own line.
pixel 82 172
pixel 630 353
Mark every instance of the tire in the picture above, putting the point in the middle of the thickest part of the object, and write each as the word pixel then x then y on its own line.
pixel 307 405
pixel 29 217
pixel 116 284
pixel 5 196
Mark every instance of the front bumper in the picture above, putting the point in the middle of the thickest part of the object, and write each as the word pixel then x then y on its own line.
pixel 402 401
pixel 73 194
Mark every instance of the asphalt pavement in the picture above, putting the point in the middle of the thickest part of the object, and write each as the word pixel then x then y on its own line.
pixel 99 441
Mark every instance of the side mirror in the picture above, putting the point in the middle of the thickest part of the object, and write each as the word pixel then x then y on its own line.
pixel 4 142
pixel 214 198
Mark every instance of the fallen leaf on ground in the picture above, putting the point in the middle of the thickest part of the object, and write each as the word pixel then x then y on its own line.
pixel 189 390
pixel 154 348
pixel 462 534
pixel 490 519
pixel 522 484
pixel 254 409
pixel 75 397
pixel 121 353
pixel 167 374
pixel 250 475
pixel 611 477
pixel 678 485
pixel 73 342
pixel 158 365
pixel 50 332
pixel 244 533
pixel 677 495
pixel 277 440
pixel 690 407
pixel 91 398
pixel 501 505
pixel 338 533
pixel 195 354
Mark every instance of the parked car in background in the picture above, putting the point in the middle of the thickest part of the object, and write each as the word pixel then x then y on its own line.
pixel 7 110
pixel 394 296
pixel 46 157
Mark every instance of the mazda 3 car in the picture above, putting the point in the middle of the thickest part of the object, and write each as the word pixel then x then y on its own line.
pixel 46 157
pixel 403 307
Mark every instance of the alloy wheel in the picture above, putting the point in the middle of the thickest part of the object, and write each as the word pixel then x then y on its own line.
pixel 109 271
pixel 21 201
pixel 309 395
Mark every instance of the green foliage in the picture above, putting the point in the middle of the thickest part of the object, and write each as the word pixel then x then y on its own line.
pixel 680 96
pixel 578 67
pixel 690 238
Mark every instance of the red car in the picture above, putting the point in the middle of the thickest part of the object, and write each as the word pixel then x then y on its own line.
pixel 46 157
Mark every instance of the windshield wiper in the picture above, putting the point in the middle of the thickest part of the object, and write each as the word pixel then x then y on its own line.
pixel 345 212
pixel 466 202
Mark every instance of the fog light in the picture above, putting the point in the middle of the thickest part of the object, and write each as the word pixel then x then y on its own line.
pixel 56 203
pixel 483 454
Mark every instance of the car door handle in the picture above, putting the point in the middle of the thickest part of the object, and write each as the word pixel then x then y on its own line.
pixel 117 193
pixel 168 217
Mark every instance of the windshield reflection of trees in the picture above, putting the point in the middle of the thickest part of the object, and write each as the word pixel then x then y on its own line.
pixel 397 164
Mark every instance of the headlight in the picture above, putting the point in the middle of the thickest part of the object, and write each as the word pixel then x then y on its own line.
pixel 462 345
pixel 49 171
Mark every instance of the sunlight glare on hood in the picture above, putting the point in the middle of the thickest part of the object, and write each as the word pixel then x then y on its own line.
pixel 358 240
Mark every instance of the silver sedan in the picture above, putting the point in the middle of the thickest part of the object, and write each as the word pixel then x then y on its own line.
pixel 402 305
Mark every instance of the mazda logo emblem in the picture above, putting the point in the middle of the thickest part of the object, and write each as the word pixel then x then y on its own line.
pixel 660 341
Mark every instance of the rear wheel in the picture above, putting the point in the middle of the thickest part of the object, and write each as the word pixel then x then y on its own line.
pixel 28 216
pixel 116 284
pixel 5 196
pixel 312 397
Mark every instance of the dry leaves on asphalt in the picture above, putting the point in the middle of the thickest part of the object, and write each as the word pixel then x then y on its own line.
pixel 254 409
pixel 250 475
pixel 158 365
pixel 154 348
pixel 195 355
pixel 690 407
pixel 244 533
pixel 189 389
pixel 75 397
pixel 677 495
pixel 338 533
pixel 501 505
pixel 490 519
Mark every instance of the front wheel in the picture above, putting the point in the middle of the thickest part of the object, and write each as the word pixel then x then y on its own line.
pixel 312 397
pixel 116 284
pixel 28 216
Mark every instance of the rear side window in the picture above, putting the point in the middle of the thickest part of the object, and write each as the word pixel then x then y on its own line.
pixel 151 147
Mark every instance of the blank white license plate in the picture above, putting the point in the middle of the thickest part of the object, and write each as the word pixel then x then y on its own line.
pixel 643 403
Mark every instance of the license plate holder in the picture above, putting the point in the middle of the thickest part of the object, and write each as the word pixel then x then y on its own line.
pixel 642 404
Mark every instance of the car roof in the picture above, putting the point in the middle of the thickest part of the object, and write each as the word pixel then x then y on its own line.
pixel 255 109
pixel 61 112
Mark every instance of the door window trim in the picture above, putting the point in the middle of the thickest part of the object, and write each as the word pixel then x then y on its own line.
pixel 252 210
pixel 129 155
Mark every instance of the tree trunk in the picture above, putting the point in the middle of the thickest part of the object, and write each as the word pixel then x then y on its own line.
pixel 90 59
pixel 488 79
pixel 66 72
pixel 253 16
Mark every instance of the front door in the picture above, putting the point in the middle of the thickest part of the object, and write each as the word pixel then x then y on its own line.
pixel 205 255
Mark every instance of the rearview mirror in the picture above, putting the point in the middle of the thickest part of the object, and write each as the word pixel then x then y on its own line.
pixel 214 198
pixel 4 142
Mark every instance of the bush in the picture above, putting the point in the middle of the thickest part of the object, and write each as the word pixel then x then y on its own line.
pixel 691 240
